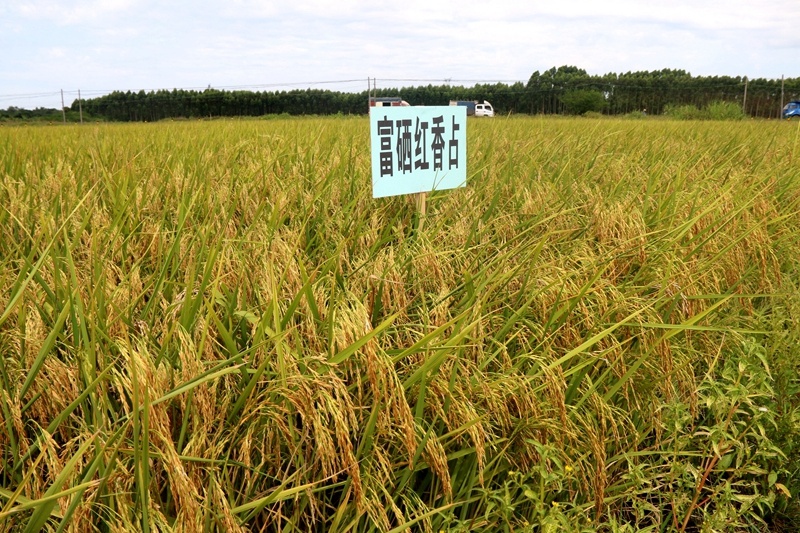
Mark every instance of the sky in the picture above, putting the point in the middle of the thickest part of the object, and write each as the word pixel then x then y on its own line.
pixel 97 46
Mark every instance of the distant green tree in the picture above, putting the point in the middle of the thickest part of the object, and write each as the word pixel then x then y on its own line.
pixel 580 101
pixel 564 89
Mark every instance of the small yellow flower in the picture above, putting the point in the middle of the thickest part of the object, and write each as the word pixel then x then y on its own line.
pixel 568 469
pixel 555 504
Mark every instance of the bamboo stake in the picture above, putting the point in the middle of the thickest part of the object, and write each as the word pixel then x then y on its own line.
pixel 422 208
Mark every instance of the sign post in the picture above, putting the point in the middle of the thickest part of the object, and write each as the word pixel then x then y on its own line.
pixel 422 208
pixel 417 150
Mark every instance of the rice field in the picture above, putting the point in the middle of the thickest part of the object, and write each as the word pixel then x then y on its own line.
pixel 212 326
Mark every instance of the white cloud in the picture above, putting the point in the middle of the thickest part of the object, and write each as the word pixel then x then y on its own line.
pixel 56 52
pixel 134 44
pixel 70 12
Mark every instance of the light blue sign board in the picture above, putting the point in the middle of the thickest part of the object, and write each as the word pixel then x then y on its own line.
pixel 418 149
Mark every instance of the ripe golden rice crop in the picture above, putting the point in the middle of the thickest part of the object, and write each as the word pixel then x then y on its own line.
pixel 212 326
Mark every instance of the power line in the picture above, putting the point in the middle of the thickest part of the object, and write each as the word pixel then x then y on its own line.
pixel 450 80
pixel 727 86
pixel 27 96
pixel 357 83
pixel 90 92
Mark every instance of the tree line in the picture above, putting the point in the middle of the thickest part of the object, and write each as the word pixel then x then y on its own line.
pixel 562 90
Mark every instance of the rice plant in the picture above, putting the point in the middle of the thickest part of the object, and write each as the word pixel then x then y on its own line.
pixel 212 326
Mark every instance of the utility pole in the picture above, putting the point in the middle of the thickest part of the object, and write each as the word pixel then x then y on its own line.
pixel 780 111
pixel 744 100
pixel 80 107
pixel 63 113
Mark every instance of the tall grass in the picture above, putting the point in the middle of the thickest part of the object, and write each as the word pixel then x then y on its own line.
pixel 212 326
